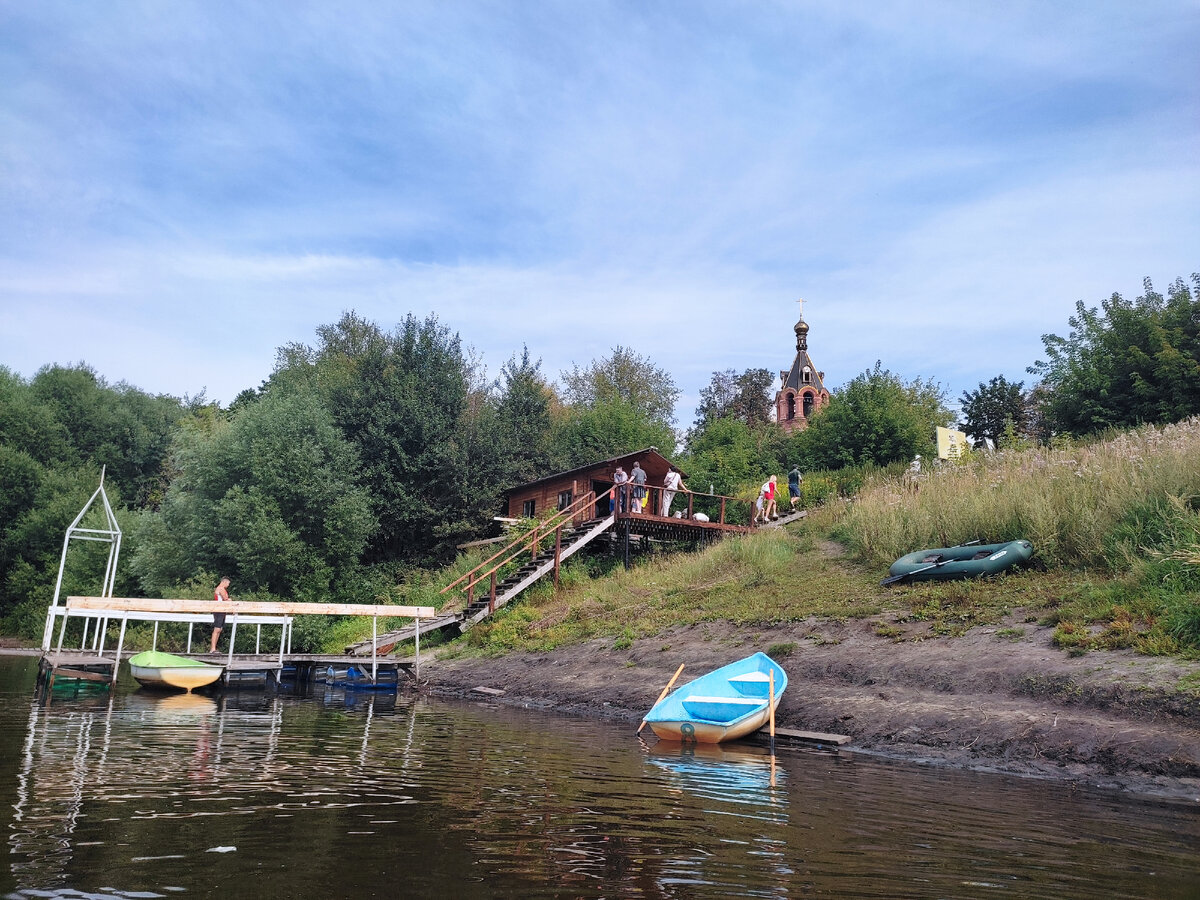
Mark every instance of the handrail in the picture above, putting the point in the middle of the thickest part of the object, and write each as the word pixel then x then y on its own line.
pixel 530 536
pixel 653 500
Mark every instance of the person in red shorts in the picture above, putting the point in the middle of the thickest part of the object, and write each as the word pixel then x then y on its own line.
pixel 768 493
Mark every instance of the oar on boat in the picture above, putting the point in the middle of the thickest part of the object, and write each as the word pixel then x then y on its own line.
pixel 660 696
pixel 940 562
pixel 893 579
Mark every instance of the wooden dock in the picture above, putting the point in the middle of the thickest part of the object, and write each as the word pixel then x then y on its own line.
pixel 815 739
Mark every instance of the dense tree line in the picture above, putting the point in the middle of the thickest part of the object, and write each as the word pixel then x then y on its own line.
pixel 373 451
pixel 366 453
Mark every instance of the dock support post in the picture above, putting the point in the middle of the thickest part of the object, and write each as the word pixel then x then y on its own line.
pixel 120 644
pixel 417 643
pixel 557 554
pixel 154 642
pixel 374 647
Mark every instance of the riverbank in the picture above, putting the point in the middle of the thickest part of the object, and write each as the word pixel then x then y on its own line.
pixel 999 698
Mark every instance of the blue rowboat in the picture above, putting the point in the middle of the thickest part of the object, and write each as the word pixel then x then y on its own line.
pixel 727 703
pixel 967 561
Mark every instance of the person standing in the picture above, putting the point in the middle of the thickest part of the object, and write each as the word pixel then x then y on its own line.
pixel 638 476
pixel 620 480
pixel 221 595
pixel 794 479
pixel 672 483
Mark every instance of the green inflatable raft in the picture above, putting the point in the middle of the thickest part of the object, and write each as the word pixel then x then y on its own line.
pixel 966 561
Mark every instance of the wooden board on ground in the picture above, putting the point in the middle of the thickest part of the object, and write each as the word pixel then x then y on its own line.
pixel 805 737
pixel 490 691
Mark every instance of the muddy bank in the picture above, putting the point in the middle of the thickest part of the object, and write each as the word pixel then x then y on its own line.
pixel 1000 699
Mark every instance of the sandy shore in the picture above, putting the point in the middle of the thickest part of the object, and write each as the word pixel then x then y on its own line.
pixel 991 700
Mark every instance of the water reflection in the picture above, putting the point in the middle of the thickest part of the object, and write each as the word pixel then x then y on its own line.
pixel 332 793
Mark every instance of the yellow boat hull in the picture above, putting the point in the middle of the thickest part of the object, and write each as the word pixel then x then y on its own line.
pixel 163 670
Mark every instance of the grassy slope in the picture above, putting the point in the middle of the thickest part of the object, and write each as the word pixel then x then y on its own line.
pixel 1115 525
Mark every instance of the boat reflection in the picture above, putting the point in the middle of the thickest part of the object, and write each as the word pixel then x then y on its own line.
pixel 744 777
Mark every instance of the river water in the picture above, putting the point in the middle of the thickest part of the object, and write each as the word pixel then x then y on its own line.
pixel 336 794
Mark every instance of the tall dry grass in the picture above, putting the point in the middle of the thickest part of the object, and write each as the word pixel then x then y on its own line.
pixel 1068 502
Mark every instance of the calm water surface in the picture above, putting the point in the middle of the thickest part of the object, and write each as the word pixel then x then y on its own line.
pixel 354 795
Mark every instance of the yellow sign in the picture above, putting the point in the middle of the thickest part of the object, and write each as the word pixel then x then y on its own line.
pixel 950 443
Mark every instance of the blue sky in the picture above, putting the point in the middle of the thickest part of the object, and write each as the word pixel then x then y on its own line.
pixel 185 187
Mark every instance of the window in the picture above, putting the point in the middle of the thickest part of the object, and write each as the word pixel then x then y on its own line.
pixel 808 405
pixel 564 499
pixel 527 509
pixel 791 406
pixel 807 375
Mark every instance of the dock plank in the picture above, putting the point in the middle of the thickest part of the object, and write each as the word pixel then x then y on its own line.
pixel 806 737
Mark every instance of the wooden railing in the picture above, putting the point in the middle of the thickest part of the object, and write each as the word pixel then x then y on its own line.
pixel 652 503
pixel 530 541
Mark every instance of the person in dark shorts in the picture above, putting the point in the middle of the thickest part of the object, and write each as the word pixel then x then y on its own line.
pixel 221 594
pixel 794 479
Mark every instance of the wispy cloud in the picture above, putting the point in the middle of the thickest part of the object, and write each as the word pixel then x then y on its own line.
pixel 187 187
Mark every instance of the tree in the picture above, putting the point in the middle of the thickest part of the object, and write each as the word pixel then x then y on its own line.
pixel 626 377
pixel 585 434
pixel 744 397
pixel 729 454
pixel 876 418
pixel 270 498
pixel 993 408
pixel 1124 364
pixel 400 398
pixel 523 418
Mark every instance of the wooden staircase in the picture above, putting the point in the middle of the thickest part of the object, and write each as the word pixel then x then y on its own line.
pixel 567 532
pixel 573 540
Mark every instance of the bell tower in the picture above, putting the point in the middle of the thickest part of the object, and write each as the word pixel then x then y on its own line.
pixel 802 388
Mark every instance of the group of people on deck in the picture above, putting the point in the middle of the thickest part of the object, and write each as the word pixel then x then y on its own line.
pixel 630 489
pixel 629 492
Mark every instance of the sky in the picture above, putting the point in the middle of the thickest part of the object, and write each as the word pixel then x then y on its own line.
pixel 187 186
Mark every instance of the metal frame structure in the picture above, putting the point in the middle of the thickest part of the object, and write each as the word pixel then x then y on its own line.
pixel 110 536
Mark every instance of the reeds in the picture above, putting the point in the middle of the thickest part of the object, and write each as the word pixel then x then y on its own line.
pixel 1079 505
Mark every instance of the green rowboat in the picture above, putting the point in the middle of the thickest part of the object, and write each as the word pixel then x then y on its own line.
pixel 967 561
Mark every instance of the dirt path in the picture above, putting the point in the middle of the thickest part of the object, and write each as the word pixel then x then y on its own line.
pixel 1000 698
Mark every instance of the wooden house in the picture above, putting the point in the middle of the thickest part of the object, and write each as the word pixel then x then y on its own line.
pixel 555 492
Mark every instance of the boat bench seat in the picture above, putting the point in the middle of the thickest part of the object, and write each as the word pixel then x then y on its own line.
pixel 736 701
pixel 721 709
pixel 752 684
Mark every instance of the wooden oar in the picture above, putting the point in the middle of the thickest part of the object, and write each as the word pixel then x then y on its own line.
pixel 660 696
pixel 771 704
pixel 940 562
pixel 895 578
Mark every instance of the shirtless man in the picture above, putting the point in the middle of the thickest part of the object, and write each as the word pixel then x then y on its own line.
pixel 220 594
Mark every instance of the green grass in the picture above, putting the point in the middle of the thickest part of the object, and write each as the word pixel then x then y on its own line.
pixel 1115 526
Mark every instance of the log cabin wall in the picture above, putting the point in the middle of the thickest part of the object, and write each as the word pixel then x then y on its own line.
pixel 545 493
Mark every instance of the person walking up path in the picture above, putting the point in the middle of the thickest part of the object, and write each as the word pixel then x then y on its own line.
pixel 768 493
pixel 794 479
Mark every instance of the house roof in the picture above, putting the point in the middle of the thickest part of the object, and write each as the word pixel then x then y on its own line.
pixel 612 461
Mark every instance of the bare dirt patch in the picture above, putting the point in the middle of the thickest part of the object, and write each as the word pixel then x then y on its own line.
pixel 1000 698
